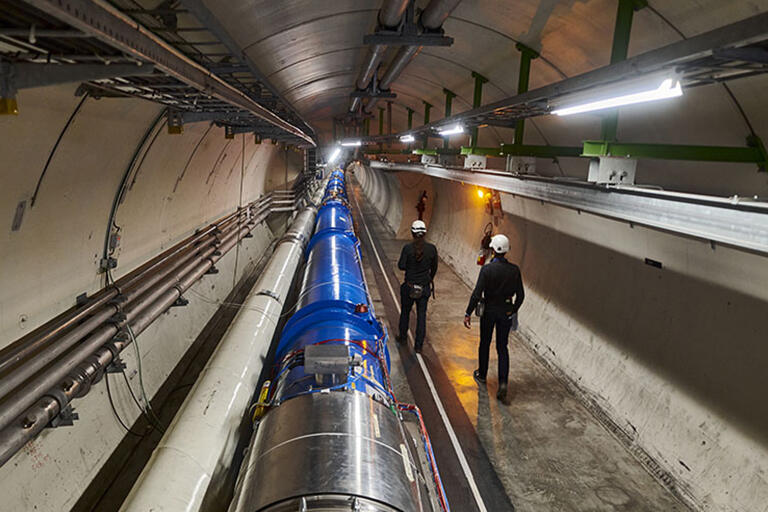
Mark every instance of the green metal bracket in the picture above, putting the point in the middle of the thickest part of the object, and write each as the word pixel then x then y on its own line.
pixel 477 100
pixel 367 126
pixel 449 95
pixel 381 120
pixel 427 109
pixel 527 54
pixel 754 153
pixel 410 117
pixel 435 152
pixel 523 150
pixel 619 50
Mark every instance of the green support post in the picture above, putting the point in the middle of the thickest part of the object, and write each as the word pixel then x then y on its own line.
pixel 427 108
pixel 449 95
pixel 367 126
pixel 410 117
pixel 526 56
pixel 621 33
pixel 477 100
pixel 381 120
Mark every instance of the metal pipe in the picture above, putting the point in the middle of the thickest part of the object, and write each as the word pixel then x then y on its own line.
pixel 77 382
pixel 204 434
pixel 22 372
pixel 43 336
pixel 436 12
pixel 389 16
pixel 98 333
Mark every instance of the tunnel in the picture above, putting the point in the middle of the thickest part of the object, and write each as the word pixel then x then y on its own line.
pixel 383 255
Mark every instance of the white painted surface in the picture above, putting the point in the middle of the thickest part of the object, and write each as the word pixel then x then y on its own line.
pixel 55 255
pixel 675 356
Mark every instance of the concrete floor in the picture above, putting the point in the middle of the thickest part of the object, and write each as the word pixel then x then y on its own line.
pixel 547 450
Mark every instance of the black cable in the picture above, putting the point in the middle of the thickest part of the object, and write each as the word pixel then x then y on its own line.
pixel 114 410
pixel 155 423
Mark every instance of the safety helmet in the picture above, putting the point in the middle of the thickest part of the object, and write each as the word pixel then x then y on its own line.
pixel 418 228
pixel 499 244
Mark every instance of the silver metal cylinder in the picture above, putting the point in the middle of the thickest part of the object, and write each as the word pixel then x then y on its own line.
pixel 339 444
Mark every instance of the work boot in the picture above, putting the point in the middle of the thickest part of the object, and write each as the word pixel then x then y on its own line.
pixel 479 378
pixel 502 393
pixel 400 339
pixel 417 348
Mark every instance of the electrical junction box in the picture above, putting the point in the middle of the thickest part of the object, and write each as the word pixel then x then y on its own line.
pixel 612 170
pixel 475 161
pixel 521 164
pixel 428 159
pixel 326 359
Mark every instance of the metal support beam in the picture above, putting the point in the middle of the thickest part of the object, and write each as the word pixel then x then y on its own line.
pixel 755 153
pixel 526 56
pixel 621 34
pixel 123 33
pixel 389 118
pixel 449 95
pixel 381 120
pixel 427 108
pixel 477 100
pixel 524 150
pixel 395 39
pixel 410 117
pixel 22 75
pixel 199 10
pixel 741 224
pixel 367 126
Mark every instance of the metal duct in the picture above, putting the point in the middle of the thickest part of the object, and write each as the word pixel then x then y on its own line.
pixel 390 14
pixel 432 19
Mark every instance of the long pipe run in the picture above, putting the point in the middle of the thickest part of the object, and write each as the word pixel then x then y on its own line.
pixel 390 14
pixel 32 406
pixel 432 18
pixel 201 440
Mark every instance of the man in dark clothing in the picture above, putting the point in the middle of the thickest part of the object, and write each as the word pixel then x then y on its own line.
pixel 419 260
pixel 500 287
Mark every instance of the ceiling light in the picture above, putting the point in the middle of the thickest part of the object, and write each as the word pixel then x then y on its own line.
pixel 407 138
pixel 669 88
pixel 480 193
pixel 352 143
pixel 454 130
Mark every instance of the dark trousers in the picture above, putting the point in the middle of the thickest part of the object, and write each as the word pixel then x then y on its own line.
pixel 502 323
pixel 406 303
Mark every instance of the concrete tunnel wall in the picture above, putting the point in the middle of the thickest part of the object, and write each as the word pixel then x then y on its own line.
pixel 675 357
pixel 176 184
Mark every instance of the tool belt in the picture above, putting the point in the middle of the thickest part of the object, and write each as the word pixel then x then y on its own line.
pixel 416 291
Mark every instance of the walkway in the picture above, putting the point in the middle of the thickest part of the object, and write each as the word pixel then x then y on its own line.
pixel 542 452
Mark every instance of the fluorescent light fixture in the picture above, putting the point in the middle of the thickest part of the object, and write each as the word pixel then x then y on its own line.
pixel 453 130
pixel 351 143
pixel 335 155
pixel 407 138
pixel 669 88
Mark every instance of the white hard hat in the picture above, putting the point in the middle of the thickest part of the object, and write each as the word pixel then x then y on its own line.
pixel 499 244
pixel 418 227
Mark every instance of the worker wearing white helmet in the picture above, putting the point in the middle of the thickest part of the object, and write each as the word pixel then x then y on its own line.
pixel 497 297
pixel 419 261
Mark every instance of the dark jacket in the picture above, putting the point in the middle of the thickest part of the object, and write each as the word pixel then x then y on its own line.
pixel 498 283
pixel 420 271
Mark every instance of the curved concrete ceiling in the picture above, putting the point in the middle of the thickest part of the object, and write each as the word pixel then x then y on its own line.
pixel 312 51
